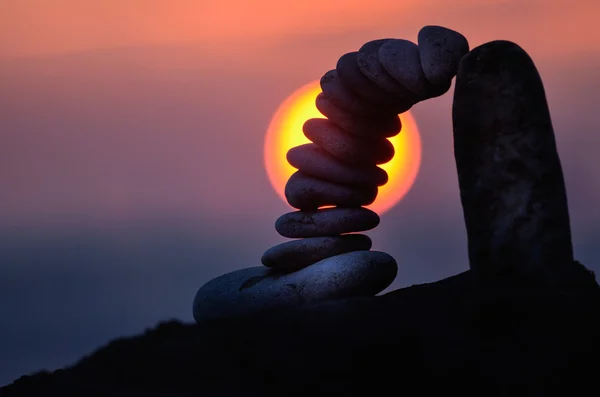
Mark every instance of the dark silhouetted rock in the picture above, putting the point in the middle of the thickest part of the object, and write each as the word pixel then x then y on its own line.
pixel 401 59
pixel 446 337
pixel 361 126
pixel 343 97
pixel 306 192
pixel 370 65
pixel 326 222
pixel 511 182
pixel 296 254
pixel 354 80
pixel 346 147
pixel 313 160
pixel 441 50
pixel 253 290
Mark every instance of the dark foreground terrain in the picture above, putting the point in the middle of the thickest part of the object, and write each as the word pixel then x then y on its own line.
pixel 448 336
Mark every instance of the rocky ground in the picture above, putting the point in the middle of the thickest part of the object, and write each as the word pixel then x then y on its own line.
pixel 449 336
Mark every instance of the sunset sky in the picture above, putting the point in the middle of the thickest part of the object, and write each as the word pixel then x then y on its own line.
pixel 131 148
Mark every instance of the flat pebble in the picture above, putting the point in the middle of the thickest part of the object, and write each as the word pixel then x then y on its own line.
pixel 347 147
pixel 312 160
pixel 401 59
pixel 370 66
pixel 296 254
pixel 343 97
pixel 441 50
pixel 255 290
pixel 306 192
pixel 362 126
pixel 352 78
pixel 325 222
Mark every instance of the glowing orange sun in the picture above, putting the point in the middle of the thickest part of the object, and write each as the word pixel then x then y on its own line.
pixel 285 132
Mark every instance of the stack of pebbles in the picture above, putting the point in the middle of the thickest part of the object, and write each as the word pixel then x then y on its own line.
pixel 361 99
pixel 337 176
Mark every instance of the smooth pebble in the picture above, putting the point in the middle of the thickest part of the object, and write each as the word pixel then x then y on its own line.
pixel 326 222
pixel 306 192
pixel 401 59
pixel 370 66
pixel 296 254
pixel 352 78
pixel 312 160
pixel 361 126
pixel 343 97
pixel 441 50
pixel 346 147
pixel 255 290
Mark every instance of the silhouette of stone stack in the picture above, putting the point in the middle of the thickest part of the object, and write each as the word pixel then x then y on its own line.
pixel 338 175
pixel 361 99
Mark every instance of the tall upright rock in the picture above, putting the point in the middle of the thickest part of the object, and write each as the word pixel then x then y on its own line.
pixel 511 182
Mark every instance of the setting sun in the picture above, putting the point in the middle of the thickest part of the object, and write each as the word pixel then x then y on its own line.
pixel 285 132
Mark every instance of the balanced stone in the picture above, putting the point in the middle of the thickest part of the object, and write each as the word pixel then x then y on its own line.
pixel 253 290
pixel 370 66
pixel 361 99
pixel 441 50
pixel 353 79
pixel 510 177
pixel 312 160
pixel 326 222
pixel 401 59
pixel 345 146
pixel 296 254
pixel 305 192
pixel 343 97
pixel 384 126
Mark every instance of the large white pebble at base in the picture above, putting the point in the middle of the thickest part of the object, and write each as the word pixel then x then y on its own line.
pixel 257 289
